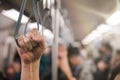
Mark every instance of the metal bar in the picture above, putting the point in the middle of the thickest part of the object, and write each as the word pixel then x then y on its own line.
pixel 54 47
pixel 36 12
pixel 55 26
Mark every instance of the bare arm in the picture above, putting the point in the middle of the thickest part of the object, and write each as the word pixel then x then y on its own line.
pixel 63 62
pixel 64 66
pixel 30 71
pixel 31 48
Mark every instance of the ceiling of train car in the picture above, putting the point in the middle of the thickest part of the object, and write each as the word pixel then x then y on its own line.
pixel 5 22
pixel 85 15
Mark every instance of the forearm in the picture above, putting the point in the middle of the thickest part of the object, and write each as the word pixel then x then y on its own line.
pixel 31 48
pixel 25 74
pixel 34 70
pixel 30 71
pixel 66 68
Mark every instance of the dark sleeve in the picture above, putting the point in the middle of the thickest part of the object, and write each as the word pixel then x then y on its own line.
pixel 114 72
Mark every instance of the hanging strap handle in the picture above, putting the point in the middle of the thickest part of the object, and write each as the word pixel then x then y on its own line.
pixel 36 12
pixel 28 21
pixel 39 15
pixel 44 17
pixel 19 20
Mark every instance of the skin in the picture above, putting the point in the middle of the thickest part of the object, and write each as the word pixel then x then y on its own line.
pixel 64 66
pixel 31 48
pixel 63 62
pixel 32 45
pixel 117 77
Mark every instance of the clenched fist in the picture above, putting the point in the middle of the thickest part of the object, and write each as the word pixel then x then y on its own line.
pixel 32 45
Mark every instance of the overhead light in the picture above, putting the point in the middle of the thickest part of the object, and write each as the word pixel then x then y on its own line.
pixel 103 28
pixel 14 14
pixel 114 19
pixel 99 31
pixel 92 36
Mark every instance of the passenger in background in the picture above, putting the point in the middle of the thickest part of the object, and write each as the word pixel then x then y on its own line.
pixel 81 62
pixel 88 67
pixel 115 65
pixel 64 72
pixel 75 60
pixel 10 73
pixel 103 62
pixel 82 51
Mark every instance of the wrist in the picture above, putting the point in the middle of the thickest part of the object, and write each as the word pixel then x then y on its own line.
pixel 31 70
pixel 34 70
pixel 25 66
pixel 32 64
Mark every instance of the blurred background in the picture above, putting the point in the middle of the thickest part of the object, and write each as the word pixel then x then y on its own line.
pixel 83 39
